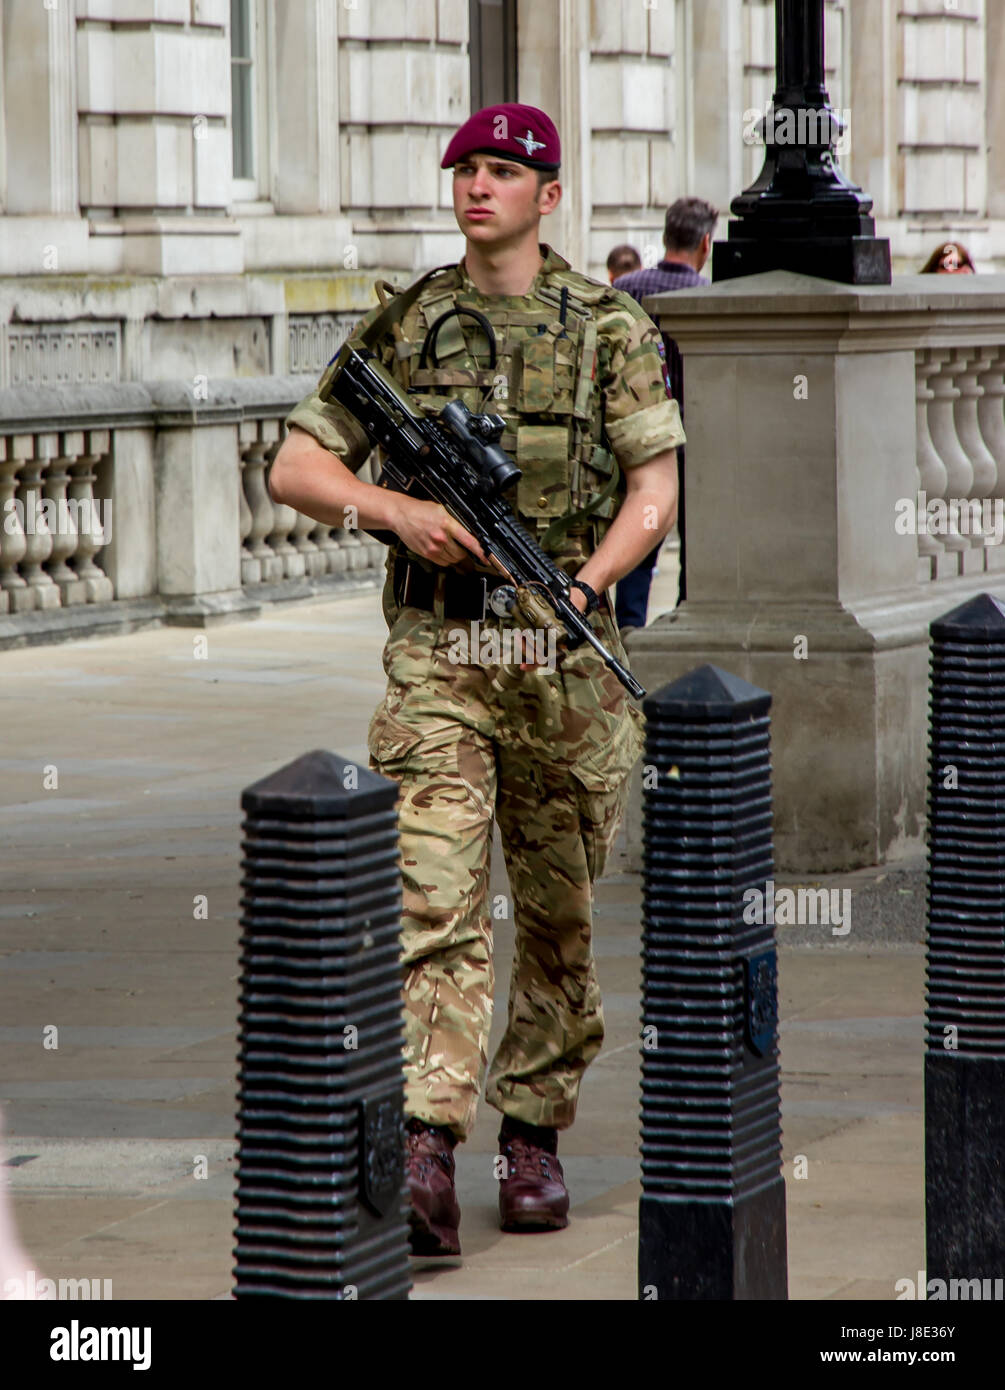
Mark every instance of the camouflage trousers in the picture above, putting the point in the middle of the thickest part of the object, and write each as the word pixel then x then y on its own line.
pixel 547 754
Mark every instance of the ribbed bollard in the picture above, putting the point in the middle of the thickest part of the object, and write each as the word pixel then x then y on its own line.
pixel 965 1056
pixel 712 1212
pixel 321 1143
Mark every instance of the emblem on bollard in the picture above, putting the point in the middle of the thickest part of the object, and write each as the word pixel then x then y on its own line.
pixel 382 1161
pixel 762 1000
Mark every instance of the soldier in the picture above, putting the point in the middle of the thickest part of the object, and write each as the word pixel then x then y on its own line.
pixel 545 747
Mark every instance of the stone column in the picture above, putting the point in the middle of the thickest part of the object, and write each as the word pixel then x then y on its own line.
pixel 553 43
pixel 872 160
pixel 3 133
pixel 994 58
pixel 130 556
pixel 575 129
pixel 630 105
pixel 306 117
pixel 40 97
pixel 800 402
pixel 715 77
pixel 197 477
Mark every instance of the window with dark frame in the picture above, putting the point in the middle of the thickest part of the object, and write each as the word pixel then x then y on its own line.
pixel 492 50
pixel 241 87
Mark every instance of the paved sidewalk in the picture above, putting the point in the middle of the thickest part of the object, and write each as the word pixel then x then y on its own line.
pixel 151 747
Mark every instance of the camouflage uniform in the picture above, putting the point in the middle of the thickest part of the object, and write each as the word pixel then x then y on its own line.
pixel 547 752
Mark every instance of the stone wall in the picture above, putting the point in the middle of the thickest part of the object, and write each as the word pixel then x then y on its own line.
pixel 115 133
pixel 929 123
pixel 71 330
pixel 403 82
pixel 634 124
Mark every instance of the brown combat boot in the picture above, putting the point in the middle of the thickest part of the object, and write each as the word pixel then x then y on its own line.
pixel 434 1215
pixel 532 1194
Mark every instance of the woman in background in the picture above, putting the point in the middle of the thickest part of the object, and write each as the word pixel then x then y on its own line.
pixel 951 258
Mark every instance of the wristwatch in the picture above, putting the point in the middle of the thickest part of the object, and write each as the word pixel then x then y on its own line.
pixel 592 598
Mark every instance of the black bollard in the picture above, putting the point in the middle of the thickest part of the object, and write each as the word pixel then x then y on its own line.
pixel 712 1212
pixel 321 1139
pixel 965 1043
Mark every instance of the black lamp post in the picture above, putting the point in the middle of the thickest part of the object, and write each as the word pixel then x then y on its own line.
pixel 802 213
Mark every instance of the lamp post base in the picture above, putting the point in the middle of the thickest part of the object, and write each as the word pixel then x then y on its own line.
pixel 853 260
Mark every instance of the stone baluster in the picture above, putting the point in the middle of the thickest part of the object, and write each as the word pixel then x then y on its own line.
pixel 931 471
pixel 376 551
pixel 991 418
pixel 251 568
pixel 298 541
pixel 370 472
pixel 355 551
pixel 959 470
pixel 966 363
pixel 64 539
pixel 38 537
pixel 15 596
pixel 90 534
pixel 301 538
pixel 261 504
pixel 331 552
pixel 284 518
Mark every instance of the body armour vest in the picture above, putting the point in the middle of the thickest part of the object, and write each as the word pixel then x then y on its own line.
pixel 542 374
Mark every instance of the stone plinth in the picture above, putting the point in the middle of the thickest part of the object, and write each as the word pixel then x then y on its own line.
pixel 802 406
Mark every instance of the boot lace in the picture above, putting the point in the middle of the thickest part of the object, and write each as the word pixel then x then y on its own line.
pixel 527 1160
pixel 421 1157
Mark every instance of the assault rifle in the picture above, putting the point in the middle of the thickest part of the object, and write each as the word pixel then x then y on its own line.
pixel 455 459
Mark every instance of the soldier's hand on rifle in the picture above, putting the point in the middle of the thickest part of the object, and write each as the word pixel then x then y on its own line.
pixel 428 529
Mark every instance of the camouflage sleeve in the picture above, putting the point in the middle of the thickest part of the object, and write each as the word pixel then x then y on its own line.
pixel 330 423
pixel 641 417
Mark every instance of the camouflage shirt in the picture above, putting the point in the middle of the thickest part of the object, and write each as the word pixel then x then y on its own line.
pixel 579 378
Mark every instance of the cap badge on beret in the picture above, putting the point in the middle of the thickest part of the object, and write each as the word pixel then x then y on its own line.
pixel 529 143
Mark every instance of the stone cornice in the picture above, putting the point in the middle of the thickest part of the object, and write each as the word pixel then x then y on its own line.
pixel 150 405
pixel 814 315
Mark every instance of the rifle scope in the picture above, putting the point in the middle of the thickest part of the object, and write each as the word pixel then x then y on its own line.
pixel 480 434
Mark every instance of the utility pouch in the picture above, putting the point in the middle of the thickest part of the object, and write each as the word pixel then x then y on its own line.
pixel 536 392
pixel 542 452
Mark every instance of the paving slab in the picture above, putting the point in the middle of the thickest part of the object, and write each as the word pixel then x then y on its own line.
pixel 100 936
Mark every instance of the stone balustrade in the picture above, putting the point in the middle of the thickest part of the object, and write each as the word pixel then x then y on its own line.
pixel 126 504
pixel 960 512
pixel 278 542
pixel 50 520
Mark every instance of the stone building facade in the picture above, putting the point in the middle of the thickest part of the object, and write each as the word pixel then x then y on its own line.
pixel 197 195
pixel 297 144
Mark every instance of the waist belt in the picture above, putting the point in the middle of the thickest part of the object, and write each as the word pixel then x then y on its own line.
pixel 465 596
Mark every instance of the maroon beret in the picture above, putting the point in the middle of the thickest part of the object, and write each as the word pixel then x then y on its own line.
pixel 521 133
